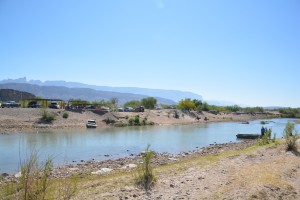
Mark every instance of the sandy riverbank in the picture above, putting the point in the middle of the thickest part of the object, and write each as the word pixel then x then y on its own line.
pixel 21 119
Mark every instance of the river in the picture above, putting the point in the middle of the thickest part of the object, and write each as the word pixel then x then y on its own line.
pixel 72 146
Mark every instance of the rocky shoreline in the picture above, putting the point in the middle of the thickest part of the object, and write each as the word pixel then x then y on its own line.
pixel 93 167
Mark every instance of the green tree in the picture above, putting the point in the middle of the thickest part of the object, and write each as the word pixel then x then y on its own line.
pixel 133 104
pixel 114 102
pixel 234 108
pixel 149 102
pixel 186 104
pixel 198 104
pixel 205 107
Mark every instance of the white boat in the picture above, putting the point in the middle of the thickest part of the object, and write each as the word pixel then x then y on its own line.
pixel 91 124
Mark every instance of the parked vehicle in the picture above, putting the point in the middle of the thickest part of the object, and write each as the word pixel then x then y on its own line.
pixel 120 109
pixel 33 104
pixel 54 105
pixel 90 107
pixel 10 104
pixel 139 109
pixel 91 124
pixel 128 109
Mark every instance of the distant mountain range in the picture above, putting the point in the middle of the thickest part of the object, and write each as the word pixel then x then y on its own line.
pixel 49 89
pixel 64 93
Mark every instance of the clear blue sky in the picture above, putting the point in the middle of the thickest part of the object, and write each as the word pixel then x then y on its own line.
pixel 246 52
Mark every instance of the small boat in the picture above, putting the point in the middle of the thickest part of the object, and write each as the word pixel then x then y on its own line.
pixel 248 136
pixel 91 124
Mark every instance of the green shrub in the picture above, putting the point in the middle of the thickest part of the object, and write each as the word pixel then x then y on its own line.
pixel 134 121
pixel 131 122
pixel 35 183
pixel 65 115
pixel 145 177
pixel 176 115
pixel 120 124
pixel 137 120
pixel 144 121
pixel 47 117
pixel 34 177
pixel 265 138
pixel 290 137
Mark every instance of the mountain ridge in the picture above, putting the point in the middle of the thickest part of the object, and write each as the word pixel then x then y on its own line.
pixel 65 93
pixel 174 95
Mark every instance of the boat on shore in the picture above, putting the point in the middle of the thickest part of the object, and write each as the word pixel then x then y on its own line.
pixel 248 136
pixel 91 124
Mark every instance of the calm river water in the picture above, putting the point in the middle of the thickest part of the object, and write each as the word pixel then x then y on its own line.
pixel 67 146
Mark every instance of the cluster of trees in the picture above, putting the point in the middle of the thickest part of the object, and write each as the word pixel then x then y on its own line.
pixel 290 112
pixel 198 105
pixel 188 105
pixel 148 103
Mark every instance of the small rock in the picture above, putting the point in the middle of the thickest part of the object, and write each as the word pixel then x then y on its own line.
pixel 102 171
pixel 172 185
pixel 74 169
pixel 18 175
pixel 129 166
pixel 4 174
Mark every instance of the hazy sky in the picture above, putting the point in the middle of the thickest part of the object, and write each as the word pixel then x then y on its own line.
pixel 246 52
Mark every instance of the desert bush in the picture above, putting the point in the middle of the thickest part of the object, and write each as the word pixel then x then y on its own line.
pixel 265 139
pixel 144 176
pixel 35 183
pixel 134 121
pixel 34 179
pixel 175 115
pixel 290 137
pixel 131 122
pixel 144 121
pixel 65 115
pixel 120 124
pixel 290 112
pixel 67 188
pixel 109 121
pixel 48 117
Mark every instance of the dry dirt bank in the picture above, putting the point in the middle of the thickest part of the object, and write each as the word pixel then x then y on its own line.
pixel 254 173
pixel 21 119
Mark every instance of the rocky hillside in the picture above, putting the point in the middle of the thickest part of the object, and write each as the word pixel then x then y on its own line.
pixel 14 95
